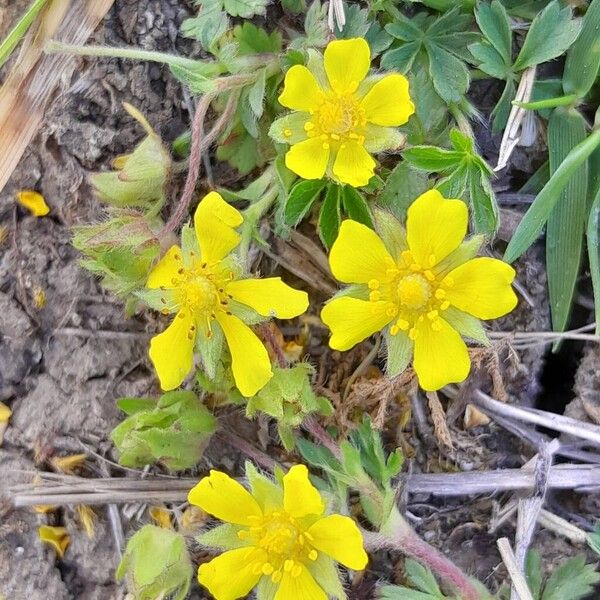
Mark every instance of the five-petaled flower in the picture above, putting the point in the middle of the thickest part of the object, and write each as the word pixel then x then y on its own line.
pixel 201 283
pixel 278 540
pixel 422 287
pixel 342 115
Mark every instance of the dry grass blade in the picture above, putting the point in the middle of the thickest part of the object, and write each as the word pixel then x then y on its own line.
pixel 27 91
pixel 520 587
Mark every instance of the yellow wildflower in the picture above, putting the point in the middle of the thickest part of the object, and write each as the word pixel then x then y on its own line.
pixel 276 539
pixel 34 202
pixel 342 115
pixel 161 517
pixel 422 287
pixel 57 537
pixel 201 283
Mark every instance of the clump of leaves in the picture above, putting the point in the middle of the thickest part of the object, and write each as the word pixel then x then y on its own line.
pixel 465 175
pixel 156 564
pixel 551 33
pixel 422 582
pixel 174 430
pixel 572 580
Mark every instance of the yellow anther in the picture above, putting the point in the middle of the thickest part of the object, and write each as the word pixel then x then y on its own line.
pixel 375 296
pixel 394 330
pixel 407 257
pixel 448 281
pixel 276 577
pixel 413 333
pixel 445 305
pixel 287 132
pixel 403 324
pixel 309 126
pixel 297 570
pixel 432 260
pixel 243 534
pixel 373 284
pixel 432 315
pixel 335 136
pixel 391 310
pixel 429 275
pixel 415 267
pixel 288 565
pixel 267 569
pixel 308 536
pixel 313 555
pixel 440 294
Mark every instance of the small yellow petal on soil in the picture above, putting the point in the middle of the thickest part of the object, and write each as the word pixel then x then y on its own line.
pixel 87 518
pixel 57 537
pixel 39 298
pixel 34 202
pixel 68 464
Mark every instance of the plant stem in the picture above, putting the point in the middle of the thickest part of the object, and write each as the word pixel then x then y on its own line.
pixel 316 430
pixel 252 216
pixel 398 535
pixel 55 47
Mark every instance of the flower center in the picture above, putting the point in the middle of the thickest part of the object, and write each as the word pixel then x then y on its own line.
pixel 285 544
pixel 414 291
pixel 199 294
pixel 338 118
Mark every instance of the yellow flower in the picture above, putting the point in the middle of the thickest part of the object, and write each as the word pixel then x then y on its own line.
pixel 34 202
pixel 200 282
pixel 277 540
pixel 342 115
pixel 423 287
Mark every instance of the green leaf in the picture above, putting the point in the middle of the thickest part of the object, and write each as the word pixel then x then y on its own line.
pixel 404 29
pixel 490 61
pixel 256 95
pixel 255 40
pixel 300 200
pixel 593 243
pixel 571 581
pixel 357 23
pixel 583 58
pixel 329 217
pixel 485 214
pixel 566 222
pixel 356 206
pixel 535 218
pixel 534 573
pixel 450 75
pixel 399 592
pixel 403 185
pixel 501 111
pixel 245 8
pixel 552 31
pixel 495 26
pixel 433 159
pixel 401 58
pixel 421 577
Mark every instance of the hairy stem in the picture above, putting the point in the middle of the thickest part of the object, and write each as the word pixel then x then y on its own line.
pixel 398 535
pixel 316 430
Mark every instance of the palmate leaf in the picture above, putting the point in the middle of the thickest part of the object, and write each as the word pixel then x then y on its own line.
pixel 573 580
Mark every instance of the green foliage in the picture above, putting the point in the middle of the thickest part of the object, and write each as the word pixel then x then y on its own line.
pixel 403 185
pixel 121 250
pixel 465 175
pixel 443 41
pixel 156 564
pixel 364 466
pixel 552 31
pixel 424 585
pixel 173 430
pixel 289 398
pixel 572 580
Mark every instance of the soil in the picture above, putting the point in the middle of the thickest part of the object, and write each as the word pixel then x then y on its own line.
pixel 61 380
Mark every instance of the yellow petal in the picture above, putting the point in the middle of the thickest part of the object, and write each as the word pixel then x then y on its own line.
pixel 68 464
pixel 347 63
pixel 5 413
pixel 87 518
pixel 388 102
pixel 34 202
pixel 482 288
pixel 352 320
pixel 301 587
pixel 441 356
pixel 166 269
pixel 300 496
pixel 224 498
pixel 269 297
pixel 308 158
pixel 353 164
pixel 57 537
pixel 172 351
pixel 250 361
pixel 435 227
pixel 300 89
pixel 359 255
pixel 231 575
pixel 214 221
pixel 339 537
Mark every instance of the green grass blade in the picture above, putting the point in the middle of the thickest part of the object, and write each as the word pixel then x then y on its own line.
pixel 19 30
pixel 583 58
pixel 534 220
pixel 566 223
pixel 593 241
